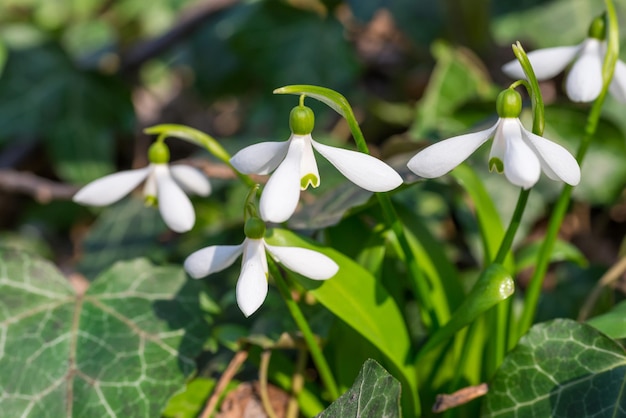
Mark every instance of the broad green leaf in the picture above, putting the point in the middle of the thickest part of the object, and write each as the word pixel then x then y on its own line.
pixel 120 348
pixel 356 297
pixel 562 251
pixel 123 231
pixel 488 218
pixel 76 113
pixel 492 287
pixel 612 323
pixel 375 393
pixel 431 255
pixel 560 368
pixel 457 79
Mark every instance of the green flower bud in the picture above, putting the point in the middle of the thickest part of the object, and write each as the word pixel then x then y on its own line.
pixel 159 153
pixel 509 104
pixel 597 29
pixel 301 120
pixel 254 228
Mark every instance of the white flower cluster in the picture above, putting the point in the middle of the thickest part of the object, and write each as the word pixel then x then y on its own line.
pixel 517 152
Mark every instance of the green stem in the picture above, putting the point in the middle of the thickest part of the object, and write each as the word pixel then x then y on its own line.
pixel 536 282
pixel 498 317
pixel 309 338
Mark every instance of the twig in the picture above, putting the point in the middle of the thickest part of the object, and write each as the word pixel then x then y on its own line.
pixel 265 399
pixel 297 383
pixel 41 189
pixel 460 397
pixel 226 377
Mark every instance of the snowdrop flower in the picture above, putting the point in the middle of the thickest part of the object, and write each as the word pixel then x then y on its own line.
pixel 296 168
pixel 584 81
pixel 252 283
pixel 164 185
pixel 521 154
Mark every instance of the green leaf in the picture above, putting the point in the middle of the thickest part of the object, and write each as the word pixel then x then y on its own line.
pixel 560 369
pixel 493 286
pixel 457 79
pixel 375 393
pixel 356 297
pixel 612 323
pixel 121 348
pixel 123 231
pixel 562 251
pixel 189 403
pixel 77 113
pixel 489 222
pixel 604 171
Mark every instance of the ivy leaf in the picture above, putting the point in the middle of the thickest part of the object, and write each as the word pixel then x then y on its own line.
pixel 560 368
pixel 122 348
pixel 375 393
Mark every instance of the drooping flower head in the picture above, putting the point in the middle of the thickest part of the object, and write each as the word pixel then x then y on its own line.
pixel 252 284
pixel 584 81
pixel 520 154
pixel 296 169
pixel 164 185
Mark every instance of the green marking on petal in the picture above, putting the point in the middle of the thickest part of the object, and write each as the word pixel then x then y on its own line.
pixel 151 201
pixel 309 180
pixel 496 164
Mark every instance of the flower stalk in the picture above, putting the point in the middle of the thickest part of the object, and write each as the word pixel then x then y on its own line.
pixel 556 219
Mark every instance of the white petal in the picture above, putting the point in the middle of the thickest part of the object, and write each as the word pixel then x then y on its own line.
pixel 618 84
pixel 211 259
pixel 309 175
pixel 556 161
pixel 261 158
pixel 546 62
pixel 306 262
pixel 521 165
pixel 584 81
pixel 498 147
pixel 174 205
pixel 440 158
pixel 111 188
pixel 282 191
pixel 361 169
pixel 252 282
pixel 191 179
